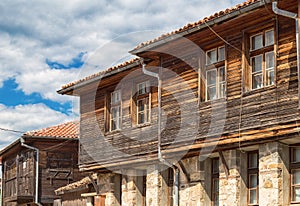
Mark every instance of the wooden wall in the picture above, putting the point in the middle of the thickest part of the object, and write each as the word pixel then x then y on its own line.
pixel 190 124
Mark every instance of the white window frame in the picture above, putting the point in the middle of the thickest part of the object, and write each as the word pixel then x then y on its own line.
pixel 115 104
pixel 263 53
pixel 217 49
pixel 217 84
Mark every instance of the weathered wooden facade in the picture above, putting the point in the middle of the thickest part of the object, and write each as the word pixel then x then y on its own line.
pixel 229 113
pixel 57 149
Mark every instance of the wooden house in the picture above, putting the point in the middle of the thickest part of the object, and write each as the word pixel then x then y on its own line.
pixel 206 115
pixel 38 163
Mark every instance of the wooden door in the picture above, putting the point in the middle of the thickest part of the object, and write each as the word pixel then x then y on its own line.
pixel 99 200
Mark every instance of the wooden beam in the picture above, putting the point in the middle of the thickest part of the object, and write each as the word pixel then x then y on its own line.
pixel 94 184
pixel 224 163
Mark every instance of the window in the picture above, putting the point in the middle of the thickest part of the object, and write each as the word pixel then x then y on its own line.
pixel 262 59
pixel 295 175
pixel 215 55
pixel 115 111
pixel 143 103
pixel 253 178
pixel 215 182
pixel 215 73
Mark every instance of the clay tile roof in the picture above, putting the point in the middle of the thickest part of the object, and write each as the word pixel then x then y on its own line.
pixel 192 25
pixel 65 130
pixel 81 183
pixel 101 73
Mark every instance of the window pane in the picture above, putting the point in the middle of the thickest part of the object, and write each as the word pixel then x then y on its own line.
pixel 141 105
pixel 143 88
pixel 257 63
pixel 215 165
pixel 269 60
pixel 253 197
pixel 143 111
pixel 211 93
pixel 257 42
pixel 141 118
pixel 211 57
pixel 115 97
pixel 252 181
pixel 253 159
pixel 256 81
pixel 221 90
pixel 269 38
pixel 296 155
pixel 221 74
pixel 296 177
pixel 221 53
pixel 270 77
pixel 211 77
pixel 296 194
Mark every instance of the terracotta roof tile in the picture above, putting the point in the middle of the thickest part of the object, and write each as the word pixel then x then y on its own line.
pixel 75 185
pixel 101 73
pixel 65 130
pixel 192 25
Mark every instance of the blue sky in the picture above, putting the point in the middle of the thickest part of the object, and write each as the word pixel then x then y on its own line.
pixel 45 44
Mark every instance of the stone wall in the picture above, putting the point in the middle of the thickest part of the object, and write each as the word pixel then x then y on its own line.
pixel 195 180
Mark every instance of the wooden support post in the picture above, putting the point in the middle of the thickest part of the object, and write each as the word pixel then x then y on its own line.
pixel 225 166
pixel 94 184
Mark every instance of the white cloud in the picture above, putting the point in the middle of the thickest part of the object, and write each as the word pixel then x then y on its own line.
pixel 26 118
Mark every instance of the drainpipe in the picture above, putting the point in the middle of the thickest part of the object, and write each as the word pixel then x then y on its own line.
pixel 36 170
pixel 160 158
pixel 288 14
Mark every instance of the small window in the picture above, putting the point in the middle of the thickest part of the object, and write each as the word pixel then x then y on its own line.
pixel 257 42
pixel 143 88
pixel 215 55
pixel 295 175
pixel 115 111
pixel 269 37
pixel 253 178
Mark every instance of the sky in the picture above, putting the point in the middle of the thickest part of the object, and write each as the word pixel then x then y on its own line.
pixel 46 44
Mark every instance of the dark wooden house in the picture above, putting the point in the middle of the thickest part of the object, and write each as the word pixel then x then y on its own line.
pixel 216 102
pixel 38 163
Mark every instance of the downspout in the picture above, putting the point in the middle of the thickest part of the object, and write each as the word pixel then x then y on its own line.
pixel 36 170
pixel 160 158
pixel 288 14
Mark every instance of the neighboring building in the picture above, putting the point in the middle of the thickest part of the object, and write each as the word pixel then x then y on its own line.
pixel 81 192
pixel 229 120
pixel 54 150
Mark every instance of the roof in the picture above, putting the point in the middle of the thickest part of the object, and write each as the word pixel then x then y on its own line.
pixel 221 15
pixel 69 130
pixel 94 77
pixel 198 23
pixel 65 130
pixel 76 185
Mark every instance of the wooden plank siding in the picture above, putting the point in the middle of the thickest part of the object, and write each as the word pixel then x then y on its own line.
pixel 244 116
pixel 19 165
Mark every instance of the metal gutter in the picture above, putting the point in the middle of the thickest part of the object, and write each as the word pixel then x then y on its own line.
pixel 200 27
pixel 36 200
pixel 291 15
pixel 160 157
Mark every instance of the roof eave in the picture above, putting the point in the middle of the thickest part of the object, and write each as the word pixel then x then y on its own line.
pixel 7 148
pixel 216 20
pixel 71 89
